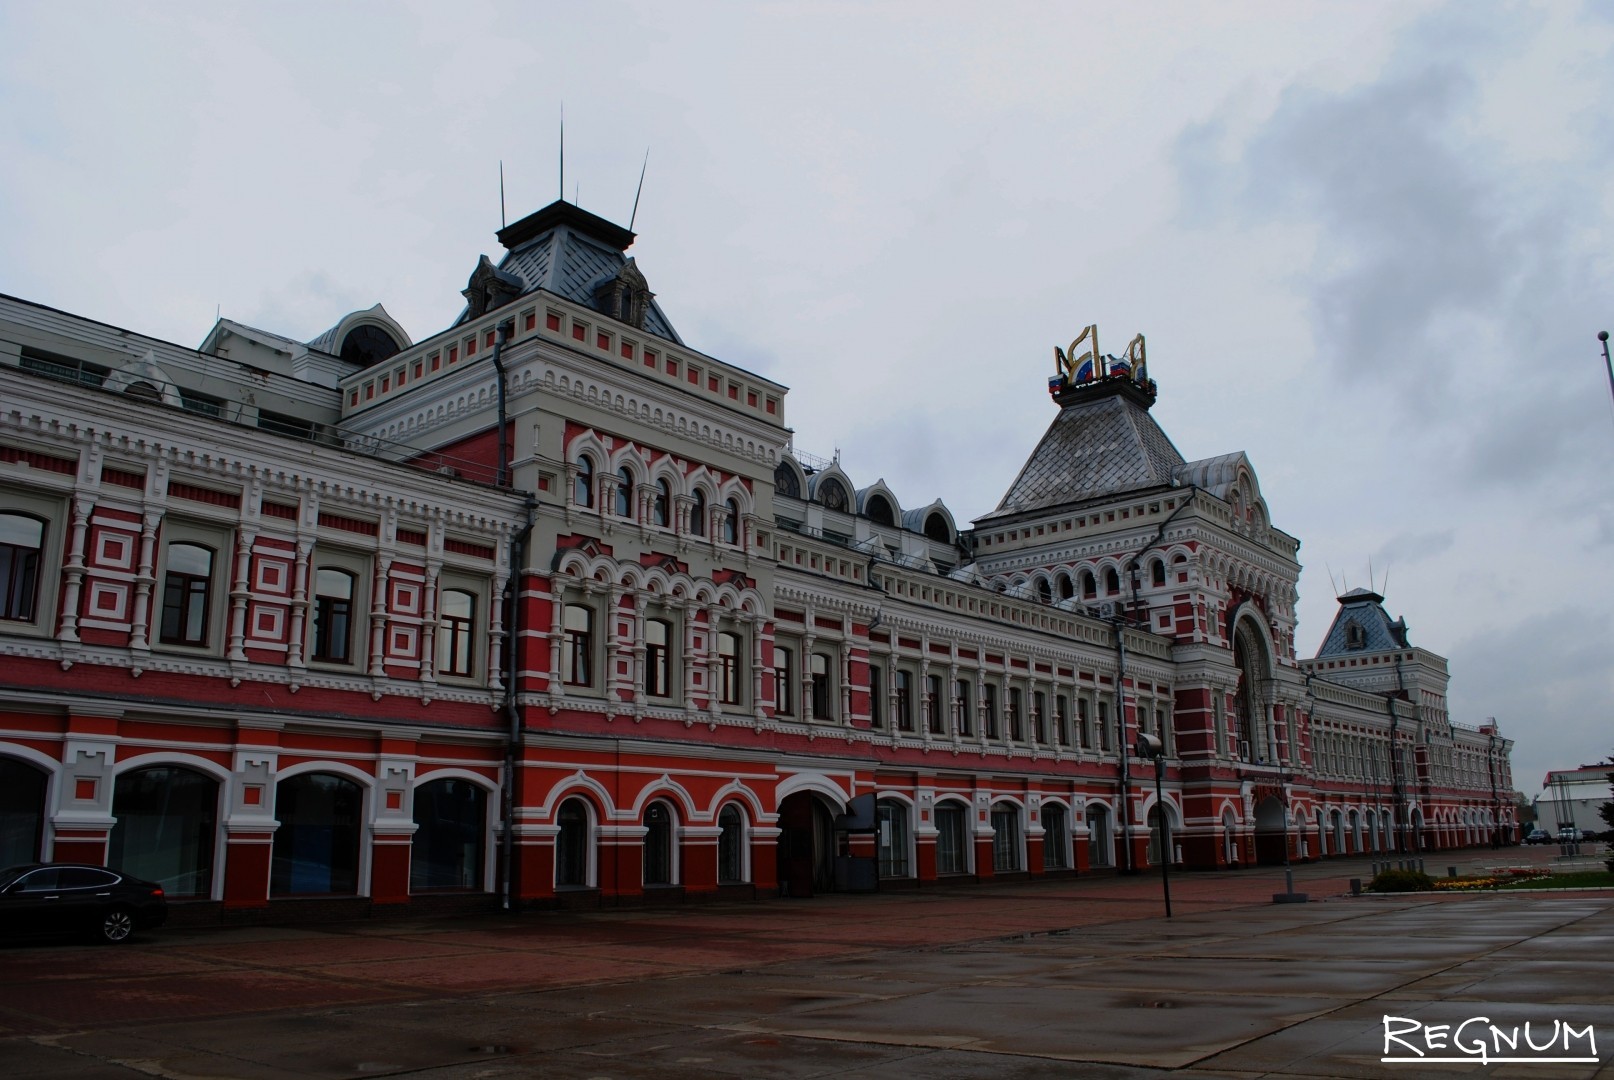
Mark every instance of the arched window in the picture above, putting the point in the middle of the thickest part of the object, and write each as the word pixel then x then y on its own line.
pixel 731 522
pixel 657 669
pixel 1089 585
pixel 891 838
pixel 456 634
pixel 577 657
pixel 1067 588
pixel 952 843
pixel 785 482
pixel 1045 592
pixel 186 589
pixel 1112 581
pixel 316 848
pixel 143 390
pixel 731 845
pixel 660 503
pixel 573 845
pixel 1006 842
pixel 879 510
pixel 22 538
pixel 165 829
pixel 728 667
pixel 333 616
pixel 583 488
pixel 832 494
pixel 1157 573
pixel 368 344
pixel 697 513
pixel 936 529
pixel 22 812
pixel 658 845
pixel 1055 837
pixel 1355 637
pixel 450 826
pixel 624 492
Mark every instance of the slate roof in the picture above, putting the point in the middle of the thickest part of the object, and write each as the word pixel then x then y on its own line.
pixel 568 251
pixel 1380 633
pixel 1102 445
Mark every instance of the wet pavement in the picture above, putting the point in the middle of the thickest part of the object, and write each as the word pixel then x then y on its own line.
pixel 1075 978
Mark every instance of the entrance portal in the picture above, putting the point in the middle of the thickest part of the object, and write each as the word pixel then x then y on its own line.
pixel 1271 838
pixel 806 845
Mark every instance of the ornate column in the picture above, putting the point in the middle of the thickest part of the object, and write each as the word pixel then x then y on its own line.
pixel 240 591
pixel 140 624
pixel 378 618
pixel 299 603
pixel 74 578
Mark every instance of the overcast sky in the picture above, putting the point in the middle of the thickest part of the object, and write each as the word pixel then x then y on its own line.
pixel 1369 244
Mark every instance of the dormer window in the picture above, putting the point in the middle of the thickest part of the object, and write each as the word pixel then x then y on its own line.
pixel 832 494
pixel 1355 636
pixel 625 297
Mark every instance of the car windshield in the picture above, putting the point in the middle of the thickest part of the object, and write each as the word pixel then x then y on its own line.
pixel 12 873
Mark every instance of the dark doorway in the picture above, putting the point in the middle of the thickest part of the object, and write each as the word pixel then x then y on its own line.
pixel 806 845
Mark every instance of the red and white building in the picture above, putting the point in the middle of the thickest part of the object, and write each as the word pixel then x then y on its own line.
pixel 546 608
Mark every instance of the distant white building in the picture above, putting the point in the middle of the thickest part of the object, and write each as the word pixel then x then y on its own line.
pixel 1572 797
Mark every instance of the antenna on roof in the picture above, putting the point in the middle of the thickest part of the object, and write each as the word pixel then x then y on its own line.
pixel 1384 590
pixel 563 151
pixel 501 193
pixel 639 190
pixel 1370 573
pixel 1332 584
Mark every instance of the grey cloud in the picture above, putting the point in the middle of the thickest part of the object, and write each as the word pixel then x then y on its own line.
pixel 1411 548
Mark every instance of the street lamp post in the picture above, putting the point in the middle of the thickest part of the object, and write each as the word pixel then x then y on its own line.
pixel 1288 896
pixel 1153 749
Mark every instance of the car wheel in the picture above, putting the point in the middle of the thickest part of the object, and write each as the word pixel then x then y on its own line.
pixel 115 926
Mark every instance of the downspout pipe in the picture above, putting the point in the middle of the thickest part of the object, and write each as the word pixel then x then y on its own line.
pixel 506 328
pixel 512 709
pixel 1126 761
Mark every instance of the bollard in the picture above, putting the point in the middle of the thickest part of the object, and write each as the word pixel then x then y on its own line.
pixel 1356 886
pixel 1451 871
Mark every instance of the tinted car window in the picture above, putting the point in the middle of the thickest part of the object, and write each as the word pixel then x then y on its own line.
pixel 43 880
pixel 84 877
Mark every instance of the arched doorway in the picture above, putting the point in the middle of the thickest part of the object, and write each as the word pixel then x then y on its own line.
pixel 1100 836
pixel 807 846
pixel 1252 657
pixel 1161 836
pixel 22 812
pixel 1271 832
pixel 1230 837
pixel 165 828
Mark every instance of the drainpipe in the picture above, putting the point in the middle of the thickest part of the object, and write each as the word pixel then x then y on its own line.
pixel 512 710
pixel 505 329
pixel 1120 731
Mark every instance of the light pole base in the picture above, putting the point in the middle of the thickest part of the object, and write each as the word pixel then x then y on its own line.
pixel 1290 898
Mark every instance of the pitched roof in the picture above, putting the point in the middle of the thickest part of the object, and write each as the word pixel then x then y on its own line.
pixel 568 251
pixel 1101 444
pixel 1378 632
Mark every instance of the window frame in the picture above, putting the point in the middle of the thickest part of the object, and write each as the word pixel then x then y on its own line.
pixel 784 680
pixel 658 658
pixel 583 482
pixel 578 644
pixel 823 686
pixel 730 667
pixel 218 540
pixel 47 561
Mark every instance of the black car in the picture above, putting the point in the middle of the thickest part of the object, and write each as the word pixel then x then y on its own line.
pixel 73 898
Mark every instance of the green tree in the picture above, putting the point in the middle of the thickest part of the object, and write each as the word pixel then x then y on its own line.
pixel 1606 811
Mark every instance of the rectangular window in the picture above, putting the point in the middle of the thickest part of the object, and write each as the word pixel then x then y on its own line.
pixel 1039 722
pixel 822 710
pixel 187 588
pixel 456 633
pixel 728 667
pixel 877 702
pixel 1062 719
pixel 891 842
pixel 1055 838
pixel 784 681
pixel 577 651
pixel 657 669
pixel 1005 839
pixel 966 708
pixel 22 538
pixel 1104 726
pixel 933 705
pixel 989 721
pixel 1085 722
pixel 333 615
pixel 1016 722
pixel 905 701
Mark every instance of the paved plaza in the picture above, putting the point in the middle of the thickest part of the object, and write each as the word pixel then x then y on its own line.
pixel 1077 978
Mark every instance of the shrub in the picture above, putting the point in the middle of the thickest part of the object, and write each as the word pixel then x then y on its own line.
pixel 1401 881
